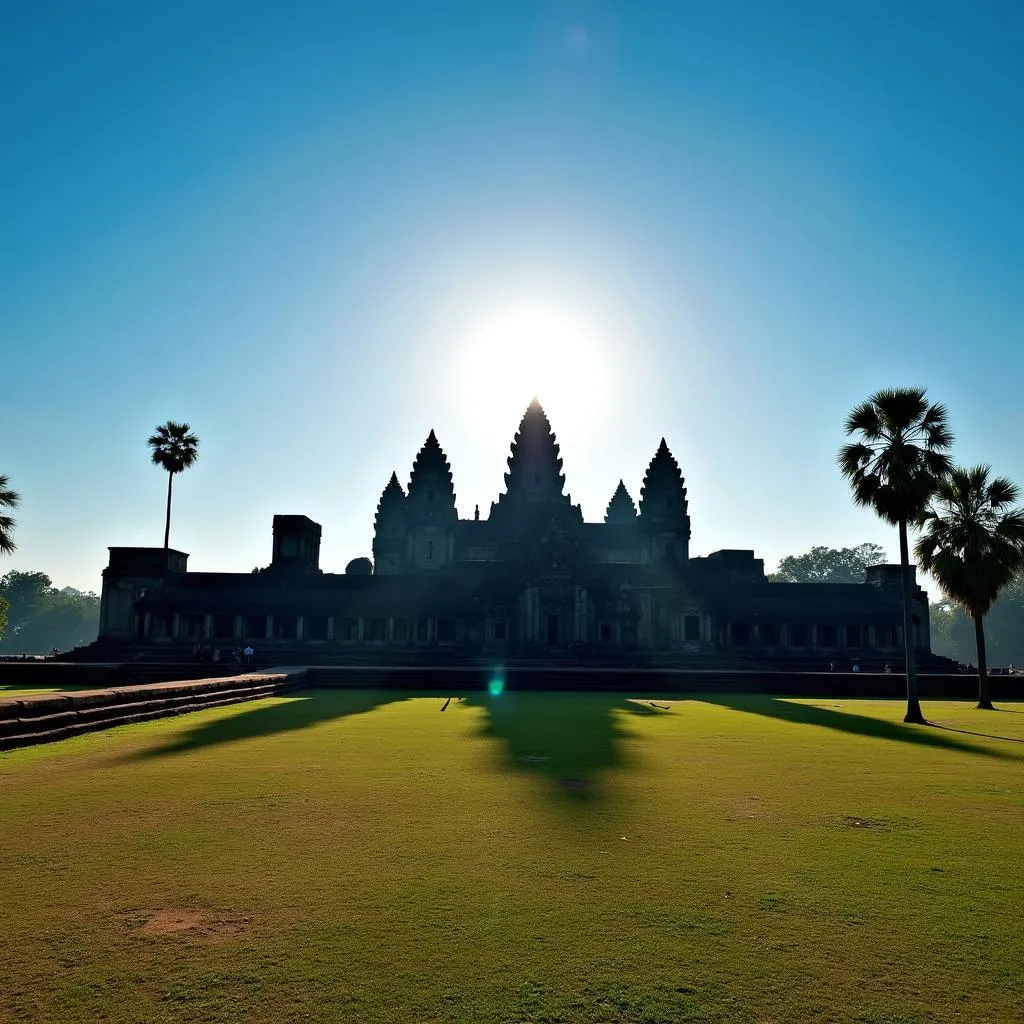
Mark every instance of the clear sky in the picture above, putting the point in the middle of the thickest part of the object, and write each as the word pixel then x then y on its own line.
pixel 315 231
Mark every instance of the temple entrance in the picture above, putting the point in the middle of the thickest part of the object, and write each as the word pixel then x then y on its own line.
pixel 552 630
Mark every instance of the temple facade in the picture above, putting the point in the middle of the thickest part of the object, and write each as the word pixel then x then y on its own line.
pixel 532 579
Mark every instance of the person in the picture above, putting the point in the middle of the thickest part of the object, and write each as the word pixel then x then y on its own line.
pixel 856 667
pixel 248 653
pixel 195 651
pixel 831 666
pixel 888 668
pixel 56 652
pixel 1010 670
pixel 216 655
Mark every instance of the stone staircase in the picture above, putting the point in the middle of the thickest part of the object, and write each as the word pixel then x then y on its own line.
pixel 46 717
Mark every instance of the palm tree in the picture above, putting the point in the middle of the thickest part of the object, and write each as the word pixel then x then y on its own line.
pixel 8 499
pixel 973 545
pixel 175 448
pixel 893 467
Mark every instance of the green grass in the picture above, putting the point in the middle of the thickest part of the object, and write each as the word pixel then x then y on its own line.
pixel 362 856
pixel 31 691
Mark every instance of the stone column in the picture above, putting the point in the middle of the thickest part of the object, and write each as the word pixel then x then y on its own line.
pixel 270 627
pixel 208 625
pixel 300 627
pixel 330 627
pixel 755 635
pixel 783 635
pixel 390 635
pixel 872 637
pixel 176 625
pixel 727 631
pixel 814 635
pixel 359 628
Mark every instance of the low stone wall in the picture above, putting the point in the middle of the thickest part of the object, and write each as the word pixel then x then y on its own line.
pixel 661 680
pixel 46 717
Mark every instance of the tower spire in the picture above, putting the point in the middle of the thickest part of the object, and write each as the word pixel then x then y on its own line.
pixel 534 466
pixel 621 510
pixel 431 489
pixel 663 505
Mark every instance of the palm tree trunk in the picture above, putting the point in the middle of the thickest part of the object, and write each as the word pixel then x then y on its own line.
pixel 167 523
pixel 984 697
pixel 913 700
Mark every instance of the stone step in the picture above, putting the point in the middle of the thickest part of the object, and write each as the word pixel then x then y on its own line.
pixel 46 718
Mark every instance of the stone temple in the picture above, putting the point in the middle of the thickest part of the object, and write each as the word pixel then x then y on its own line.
pixel 531 580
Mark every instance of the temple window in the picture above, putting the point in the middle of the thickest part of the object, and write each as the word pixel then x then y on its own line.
pixel 606 632
pixel 499 631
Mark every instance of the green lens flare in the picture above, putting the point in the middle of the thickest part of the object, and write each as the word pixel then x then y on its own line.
pixel 495 686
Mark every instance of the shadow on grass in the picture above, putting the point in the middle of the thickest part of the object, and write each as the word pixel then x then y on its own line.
pixel 298 711
pixel 567 739
pixel 982 735
pixel 845 721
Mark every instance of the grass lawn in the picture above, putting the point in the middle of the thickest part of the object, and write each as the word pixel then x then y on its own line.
pixel 365 856
pixel 30 691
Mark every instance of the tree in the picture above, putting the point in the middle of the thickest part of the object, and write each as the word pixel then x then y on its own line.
pixel 174 448
pixel 42 617
pixel 973 546
pixel 893 467
pixel 27 593
pixel 829 565
pixel 953 628
pixel 8 499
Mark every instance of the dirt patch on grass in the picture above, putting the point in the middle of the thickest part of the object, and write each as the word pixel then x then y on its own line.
pixel 850 821
pixel 188 922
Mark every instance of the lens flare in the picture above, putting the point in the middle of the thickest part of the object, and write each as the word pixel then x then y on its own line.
pixel 496 685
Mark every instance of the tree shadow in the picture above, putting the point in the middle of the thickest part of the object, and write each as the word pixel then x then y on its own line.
pixel 570 740
pixel 296 711
pixel 845 721
pixel 982 735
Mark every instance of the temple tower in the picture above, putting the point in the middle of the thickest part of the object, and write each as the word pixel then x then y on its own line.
pixel 621 511
pixel 390 530
pixel 663 509
pixel 534 482
pixel 430 510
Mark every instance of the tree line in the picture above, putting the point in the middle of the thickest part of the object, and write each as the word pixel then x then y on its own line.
pixel 38 617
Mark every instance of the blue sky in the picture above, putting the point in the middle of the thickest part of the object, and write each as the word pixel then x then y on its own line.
pixel 317 230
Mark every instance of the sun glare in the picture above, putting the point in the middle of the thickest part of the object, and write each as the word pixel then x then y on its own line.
pixel 514 354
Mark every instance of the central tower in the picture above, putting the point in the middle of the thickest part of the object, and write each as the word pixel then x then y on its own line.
pixel 534 483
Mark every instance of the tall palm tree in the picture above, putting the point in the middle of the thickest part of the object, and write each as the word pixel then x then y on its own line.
pixel 973 545
pixel 174 448
pixel 8 499
pixel 893 467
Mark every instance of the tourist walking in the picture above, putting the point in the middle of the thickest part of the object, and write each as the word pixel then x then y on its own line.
pixel 248 653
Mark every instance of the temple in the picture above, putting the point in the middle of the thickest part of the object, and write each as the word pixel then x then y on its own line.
pixel 531 580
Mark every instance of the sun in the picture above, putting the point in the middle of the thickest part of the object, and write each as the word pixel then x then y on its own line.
pixel 535 349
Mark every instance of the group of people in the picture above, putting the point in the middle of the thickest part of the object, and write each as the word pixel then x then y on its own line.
pixel 239 656
pixel 855 667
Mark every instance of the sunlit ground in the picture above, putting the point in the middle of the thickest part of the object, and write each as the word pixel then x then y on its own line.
pixel 372 856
